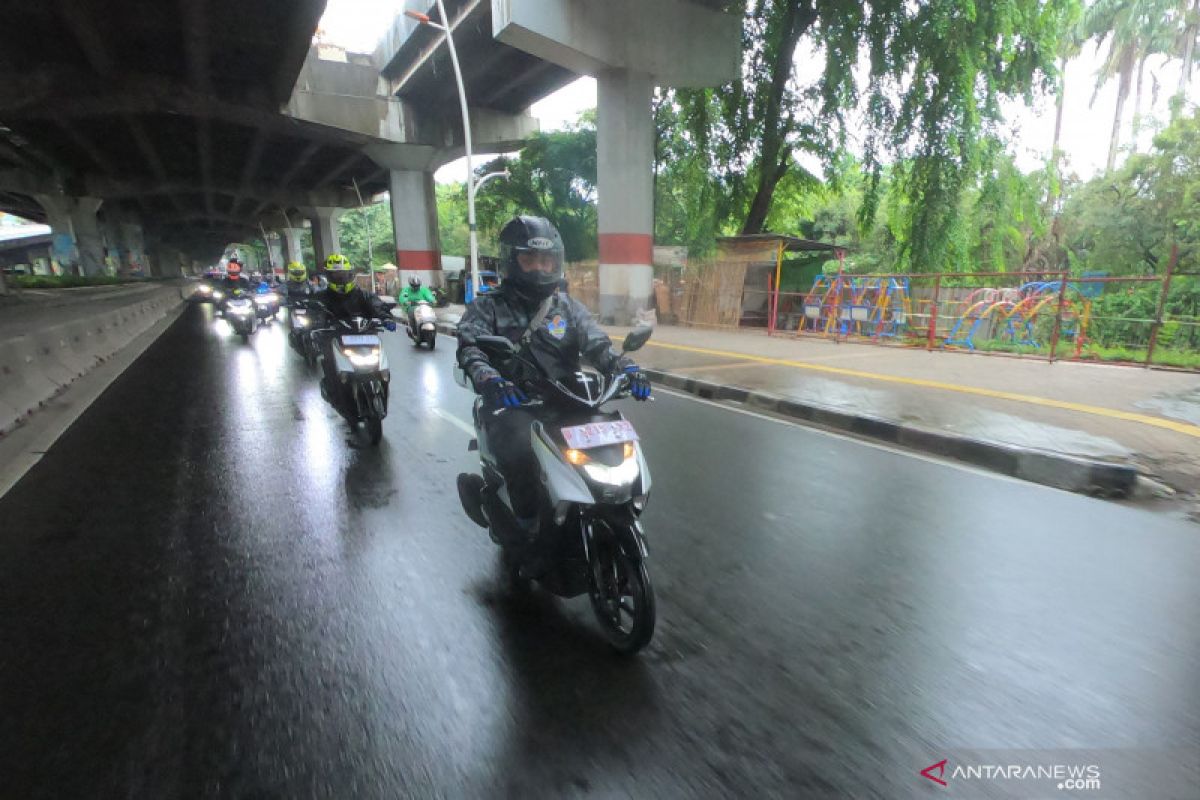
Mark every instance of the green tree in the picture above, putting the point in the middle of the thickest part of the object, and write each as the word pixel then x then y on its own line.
pixel 353 226
pixel 936 75
pixel 1128 221
pixel 1134 31
pixel 554 176
pixel 453 230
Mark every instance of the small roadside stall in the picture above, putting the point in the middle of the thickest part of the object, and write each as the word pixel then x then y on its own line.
pixel 772 283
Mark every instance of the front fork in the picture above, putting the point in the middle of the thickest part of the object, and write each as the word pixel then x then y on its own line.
pixel 623 528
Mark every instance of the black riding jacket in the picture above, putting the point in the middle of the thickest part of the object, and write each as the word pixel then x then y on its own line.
pixel 566 335
pixel 231 284
pixel 355 303
pixel 296 289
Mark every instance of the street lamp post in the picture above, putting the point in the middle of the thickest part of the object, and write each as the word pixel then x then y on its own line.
pixel 466 122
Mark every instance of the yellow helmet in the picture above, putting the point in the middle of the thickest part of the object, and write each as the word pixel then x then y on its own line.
pixel 297 271
pixel 339 273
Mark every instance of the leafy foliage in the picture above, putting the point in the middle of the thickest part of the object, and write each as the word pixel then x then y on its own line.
pixel 936 74
pixel 355 223
pixel 554 177
pixel 1127 221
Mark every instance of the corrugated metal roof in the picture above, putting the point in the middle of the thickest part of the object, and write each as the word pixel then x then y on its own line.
pixel 792 244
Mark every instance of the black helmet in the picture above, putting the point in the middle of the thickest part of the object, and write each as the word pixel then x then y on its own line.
pixel 414 283
pixel 531 256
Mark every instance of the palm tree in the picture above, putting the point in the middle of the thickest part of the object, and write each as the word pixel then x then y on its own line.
pixel 1157 39
pixel 1068 47
pixel 1190 19
pixel 1132 29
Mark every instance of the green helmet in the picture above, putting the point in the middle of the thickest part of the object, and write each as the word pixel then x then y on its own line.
pixel 297 272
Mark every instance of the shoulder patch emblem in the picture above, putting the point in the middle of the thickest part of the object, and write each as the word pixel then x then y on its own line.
pixel 557 326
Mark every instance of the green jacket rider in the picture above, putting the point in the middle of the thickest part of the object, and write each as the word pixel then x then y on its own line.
pixel 415 293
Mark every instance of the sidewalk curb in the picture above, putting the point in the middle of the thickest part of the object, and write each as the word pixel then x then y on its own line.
pixel 1072 473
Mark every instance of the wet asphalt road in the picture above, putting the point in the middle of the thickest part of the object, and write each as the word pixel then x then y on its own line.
pixel 206 591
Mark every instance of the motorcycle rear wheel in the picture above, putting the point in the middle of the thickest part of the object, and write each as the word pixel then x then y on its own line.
pixel 622 598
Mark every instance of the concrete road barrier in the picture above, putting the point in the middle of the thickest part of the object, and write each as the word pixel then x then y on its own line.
pixel 40 363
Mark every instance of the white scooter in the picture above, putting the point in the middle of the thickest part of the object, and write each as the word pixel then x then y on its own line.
pixel 422 325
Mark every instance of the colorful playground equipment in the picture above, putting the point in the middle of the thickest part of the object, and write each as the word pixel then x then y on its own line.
pixel 1012 315
pixel 847 305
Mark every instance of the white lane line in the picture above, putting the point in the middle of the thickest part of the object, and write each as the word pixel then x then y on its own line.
pixel 463 426
pixel 958 465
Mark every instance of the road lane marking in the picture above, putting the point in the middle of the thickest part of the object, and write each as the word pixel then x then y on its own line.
pixel 1111 413
pixel 455 421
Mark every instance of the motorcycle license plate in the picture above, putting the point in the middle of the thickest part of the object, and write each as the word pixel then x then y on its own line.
pixel 598 434
pixel 360 341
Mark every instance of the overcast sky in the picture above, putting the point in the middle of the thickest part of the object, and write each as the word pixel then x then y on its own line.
pixel 358 24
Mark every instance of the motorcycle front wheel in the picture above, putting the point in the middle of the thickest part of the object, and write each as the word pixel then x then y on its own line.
pixel 622 597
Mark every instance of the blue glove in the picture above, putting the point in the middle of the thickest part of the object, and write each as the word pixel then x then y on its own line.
pixel 389 324
pixel 500 393
pixel 639 384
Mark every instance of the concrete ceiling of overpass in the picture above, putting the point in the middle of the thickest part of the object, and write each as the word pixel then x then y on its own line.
pixel 169 109
pixel 495 75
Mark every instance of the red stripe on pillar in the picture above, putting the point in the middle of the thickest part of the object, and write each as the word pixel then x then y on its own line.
pixel 626 248
pixel 418 259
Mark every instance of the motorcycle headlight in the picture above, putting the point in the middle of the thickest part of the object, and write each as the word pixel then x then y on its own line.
pixel 263 300
pixel 362 358
pixel 622 474
pixel 301 321
pixel 218 295
pixel 205 290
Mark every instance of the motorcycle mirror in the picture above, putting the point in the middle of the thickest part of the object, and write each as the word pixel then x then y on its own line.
pixel 636 338
pixel 496 346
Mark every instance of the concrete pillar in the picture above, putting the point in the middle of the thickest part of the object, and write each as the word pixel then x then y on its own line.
pixel 115 260
pixel 625 159
pixel 275 249
pixel 133 249
pixel 77 247
pixel 324 221
pixel 291 245
pixel 166 261
pixel 88 236
pixel 415 225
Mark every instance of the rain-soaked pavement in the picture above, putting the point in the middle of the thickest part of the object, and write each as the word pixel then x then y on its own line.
pixel 206 591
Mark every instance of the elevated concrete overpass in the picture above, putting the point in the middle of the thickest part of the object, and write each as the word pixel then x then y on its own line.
pixel 514 52
pixel 176 128
pixel 141 126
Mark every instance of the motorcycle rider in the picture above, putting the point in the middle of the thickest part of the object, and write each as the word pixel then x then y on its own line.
pixel 234 279
pixel 551 329
pixel 411 295
pixel 297 286
pixel 343 300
